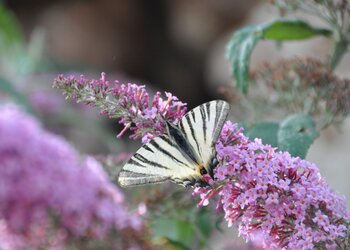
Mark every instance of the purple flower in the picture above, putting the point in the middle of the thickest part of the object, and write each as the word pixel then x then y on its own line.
pixel 130 103
pixel 281 198
pixel 47 189
pixel 9 241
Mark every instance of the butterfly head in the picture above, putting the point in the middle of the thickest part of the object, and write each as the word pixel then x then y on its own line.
pixel 198 179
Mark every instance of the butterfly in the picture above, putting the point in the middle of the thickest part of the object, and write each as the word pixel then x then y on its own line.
pixel 184 154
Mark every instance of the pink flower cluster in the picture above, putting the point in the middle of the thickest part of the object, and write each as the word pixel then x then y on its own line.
pixel 280 200
pixel 47 192
pixel 130 103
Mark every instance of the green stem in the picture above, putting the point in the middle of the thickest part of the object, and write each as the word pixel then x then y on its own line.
pixel 340 47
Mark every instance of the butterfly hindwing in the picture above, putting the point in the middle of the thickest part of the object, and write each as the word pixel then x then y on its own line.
pixel 177 154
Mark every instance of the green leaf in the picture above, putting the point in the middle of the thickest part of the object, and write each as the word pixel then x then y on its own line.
pixel 296 134
pixel 239 50
pixel 266 131
pixel 243 41
pixel 283 29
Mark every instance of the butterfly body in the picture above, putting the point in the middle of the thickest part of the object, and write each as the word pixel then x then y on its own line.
pixel 183 154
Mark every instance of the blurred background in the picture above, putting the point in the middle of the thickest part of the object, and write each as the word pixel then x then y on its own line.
pixel 176 46
pixel 164 43
pixel 169 45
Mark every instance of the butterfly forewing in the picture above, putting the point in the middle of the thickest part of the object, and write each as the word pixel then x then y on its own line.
pixel 157 161
pixel 202 126
pixel 169 158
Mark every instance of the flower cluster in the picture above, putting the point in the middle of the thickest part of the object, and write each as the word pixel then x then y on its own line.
pixel 281 199
pixel 48 194
pixel 130 103
pixel 288 83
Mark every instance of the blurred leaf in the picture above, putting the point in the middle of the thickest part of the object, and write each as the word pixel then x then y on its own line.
pixel 10 31
pixel 177 231
pixel 185 232
pixel 281 30
pixel 204 223
pixel 187 227
pixel 296 134
pixel 32 56
pixel 9 89
pixel 266 131
pixel 218 224
pixel 36 43
pixel 177 245
pixel 243 41
pixel 16 58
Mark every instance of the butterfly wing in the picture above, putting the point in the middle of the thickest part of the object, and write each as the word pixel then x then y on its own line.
pixel 177 155
pixel 157 161
pixel 202 126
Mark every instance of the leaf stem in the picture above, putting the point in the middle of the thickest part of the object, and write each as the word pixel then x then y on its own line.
pixel 340 47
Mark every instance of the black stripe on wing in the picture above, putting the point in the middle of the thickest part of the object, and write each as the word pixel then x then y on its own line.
pixel 193 134
pixel 136 163
pixel 207 105
pixel 148 148
pixel 179 139
pixel 182 143
pixel 222 109
pixel 143 159
pixel 204 124
pixel 175 146
pixel 217 113
pixel 165 152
